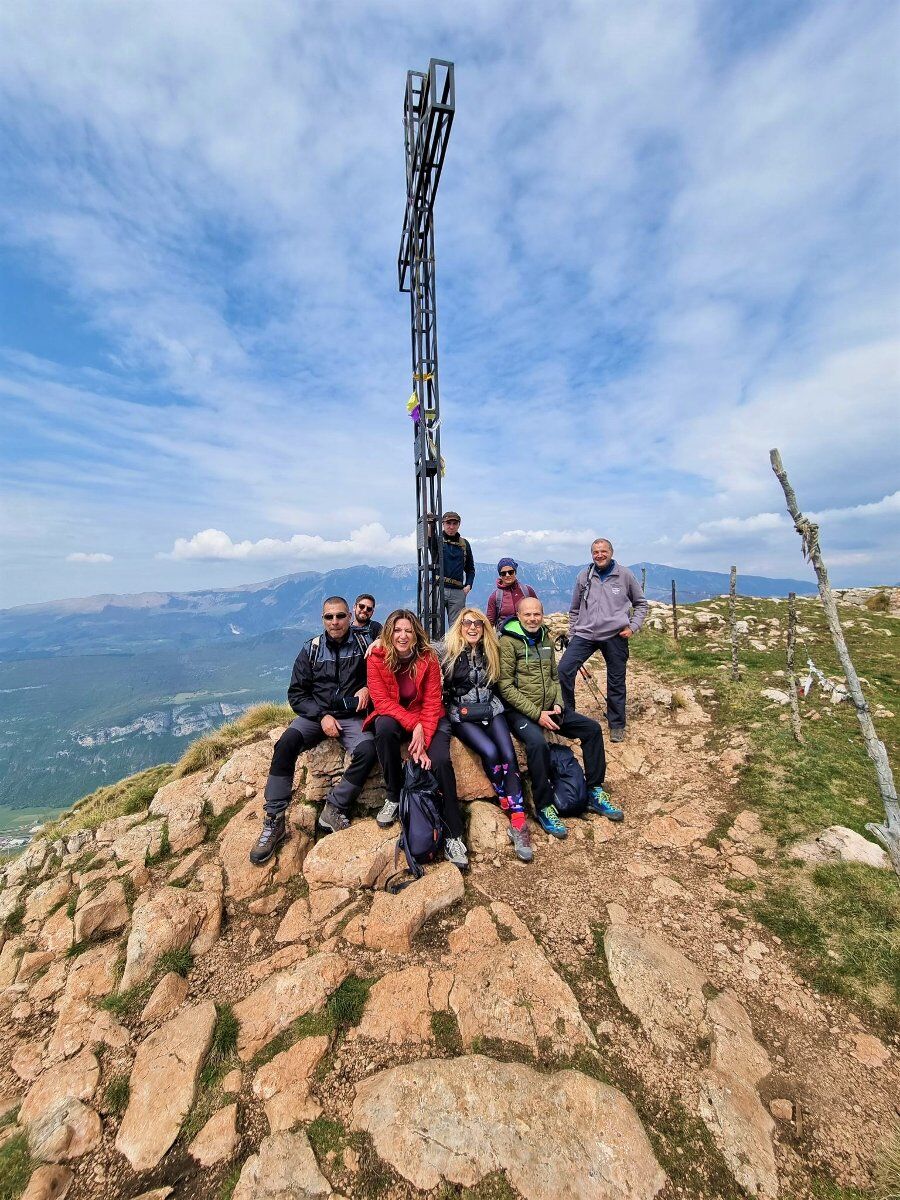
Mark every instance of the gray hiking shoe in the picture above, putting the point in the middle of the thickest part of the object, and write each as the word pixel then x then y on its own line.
pixel 455 852
pixel 332 819
pixel 273 834
pixel 387 814
pixel 521 843
pixel 617 733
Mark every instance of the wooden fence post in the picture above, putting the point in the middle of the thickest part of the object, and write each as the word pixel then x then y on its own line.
pixel 644 580
pixel 732 624
pixel 674 614
pixel 792 675
pixel 887 833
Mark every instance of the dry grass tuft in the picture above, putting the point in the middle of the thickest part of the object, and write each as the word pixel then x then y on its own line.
pixel 215 747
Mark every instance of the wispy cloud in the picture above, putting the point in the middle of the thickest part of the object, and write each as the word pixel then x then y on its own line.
pixel 81 557
pixel 370 543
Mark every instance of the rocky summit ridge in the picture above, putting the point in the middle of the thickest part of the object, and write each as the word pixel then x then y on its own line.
pixel 603 1023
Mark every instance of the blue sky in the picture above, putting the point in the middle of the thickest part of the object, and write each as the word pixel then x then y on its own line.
pixel 667 241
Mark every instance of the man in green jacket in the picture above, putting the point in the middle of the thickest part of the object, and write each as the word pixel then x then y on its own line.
pixel 529 686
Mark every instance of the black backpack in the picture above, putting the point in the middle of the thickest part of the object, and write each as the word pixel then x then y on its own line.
pixel 570 795
pixel 421 825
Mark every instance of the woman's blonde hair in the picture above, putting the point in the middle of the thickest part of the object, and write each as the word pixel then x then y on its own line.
pixel 421 645
pixel 455 644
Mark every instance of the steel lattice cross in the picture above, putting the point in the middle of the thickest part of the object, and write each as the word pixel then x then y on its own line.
pixel 427 117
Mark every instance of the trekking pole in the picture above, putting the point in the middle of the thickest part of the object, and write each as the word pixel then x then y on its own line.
pixel 561 643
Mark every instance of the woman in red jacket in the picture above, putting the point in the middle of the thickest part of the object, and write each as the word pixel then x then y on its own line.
pixel 405 687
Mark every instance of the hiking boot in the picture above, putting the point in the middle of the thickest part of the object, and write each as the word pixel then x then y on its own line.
pixel 600 803
pixel 548 819
pixel 273 834
pixel 332 819
pixel 521 843
pixel 387 814
pixel 455 852
pixel 617 733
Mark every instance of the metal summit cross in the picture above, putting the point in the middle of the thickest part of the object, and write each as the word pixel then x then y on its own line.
pixel 427 116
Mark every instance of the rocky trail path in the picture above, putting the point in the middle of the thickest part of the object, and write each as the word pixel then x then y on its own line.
pixel 605 1022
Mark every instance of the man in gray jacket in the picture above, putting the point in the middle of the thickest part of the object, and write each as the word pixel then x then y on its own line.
pixel 601 618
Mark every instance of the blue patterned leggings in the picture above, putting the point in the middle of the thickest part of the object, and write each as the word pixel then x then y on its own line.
pixel 494 746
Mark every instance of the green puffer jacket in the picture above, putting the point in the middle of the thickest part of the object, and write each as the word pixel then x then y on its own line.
pixel 528 680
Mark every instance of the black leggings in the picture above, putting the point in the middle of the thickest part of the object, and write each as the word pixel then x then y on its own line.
pixel 493 745
pixel 390 736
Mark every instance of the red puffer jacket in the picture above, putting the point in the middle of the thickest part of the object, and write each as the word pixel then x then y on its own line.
pixel 384 691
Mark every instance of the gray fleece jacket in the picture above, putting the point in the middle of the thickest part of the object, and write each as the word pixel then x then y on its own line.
pixel 601 608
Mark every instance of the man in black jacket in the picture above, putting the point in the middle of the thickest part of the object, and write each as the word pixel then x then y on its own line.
pixel 459 565
pixel 329 695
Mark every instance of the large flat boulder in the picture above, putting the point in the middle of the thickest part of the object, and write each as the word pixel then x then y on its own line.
pixel 181 803
pixel 277 1002
pixel 285 1168
pixel 283 1084
pixel 464 1118
pixel 101 912
pixel 354 858
pixel 394 920
pixel 657 983
pixel 742 1128
pixel 163 1084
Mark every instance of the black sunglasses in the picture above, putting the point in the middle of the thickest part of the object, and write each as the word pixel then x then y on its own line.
pixel 335 616
pixel 502 573
pixel 366 607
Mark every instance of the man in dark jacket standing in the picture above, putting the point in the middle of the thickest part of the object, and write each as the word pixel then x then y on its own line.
pixel 608 608
pixel 459 565
pixel 329 695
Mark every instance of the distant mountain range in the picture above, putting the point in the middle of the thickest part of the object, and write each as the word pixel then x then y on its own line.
pixel 154 621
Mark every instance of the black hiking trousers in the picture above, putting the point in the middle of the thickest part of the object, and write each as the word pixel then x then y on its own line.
pixel 615 652
pixel 390 737
pixel 571 724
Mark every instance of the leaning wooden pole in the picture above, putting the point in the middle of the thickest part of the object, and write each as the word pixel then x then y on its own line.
pixel 792 675
pixel 732 624
pixel 887 833
pixel 674 614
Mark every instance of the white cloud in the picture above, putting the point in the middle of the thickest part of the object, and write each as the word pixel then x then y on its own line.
pixel 81 557
pixel 369 543
pixel 728 529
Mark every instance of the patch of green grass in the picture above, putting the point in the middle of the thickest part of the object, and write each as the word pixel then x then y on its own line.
pixel 116 1094
pixel 180 961
pixel 9 1118
pixel 310 1025
pixel 129 1002
pixel 824 1189
pixel 222 1050
pixel 887 1168
pixel 493 1187
pixel 15 922
pixel 72 904
pixel 15 1167
pixel 229 1183
pixel 130 891
pixel 215 747
pixel 736 883
pixel 445 1031
pixel 163 853
pixel 215 823
pixel 345 1005
pixel 130 795
pixel 327 1138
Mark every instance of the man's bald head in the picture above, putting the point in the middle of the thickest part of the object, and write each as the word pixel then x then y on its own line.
pixel 530 612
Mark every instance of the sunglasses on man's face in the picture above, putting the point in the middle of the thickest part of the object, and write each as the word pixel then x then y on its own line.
pixel 366 607
pixel 502 573
pixel 335 616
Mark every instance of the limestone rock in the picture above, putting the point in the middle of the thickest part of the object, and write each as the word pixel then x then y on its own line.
pixel 181 803
pixel 163 1082
pixel 104 912
pixel 218 1140
pixel 284 1169
pixel 656 983
pixel 31 859
pixel 48 1183
pixel 776 695
pixel 680 828
pixel 278 1001
pixel 10 959
pixel 324 901
pixel 247 768
pixel 463 1118
pixel 169 920
pixel 243 879
pixel 139 842
pixel 66 1130
pixel 735 1051
pixel 781 1109
pixel 167 997
pixel 296 922
pixel 870 1050
pixel 264 906
pixel 111 831
pixel 471 781
pixel 293 953
pixel 231 1084
pixel 28 1060
pixel 283 1084
pixel 354 858
pixel 394 920
pixel 76 1078
pixel 742 1129
pixel 400 1004
pixel 58 932
pixel 836 844
pixel 509 991
pixel 487 830
pixel 47 896
pixel 10 899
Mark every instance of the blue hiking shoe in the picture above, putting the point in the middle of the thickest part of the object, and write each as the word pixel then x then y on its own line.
pixel 600 803
pixel 548 819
